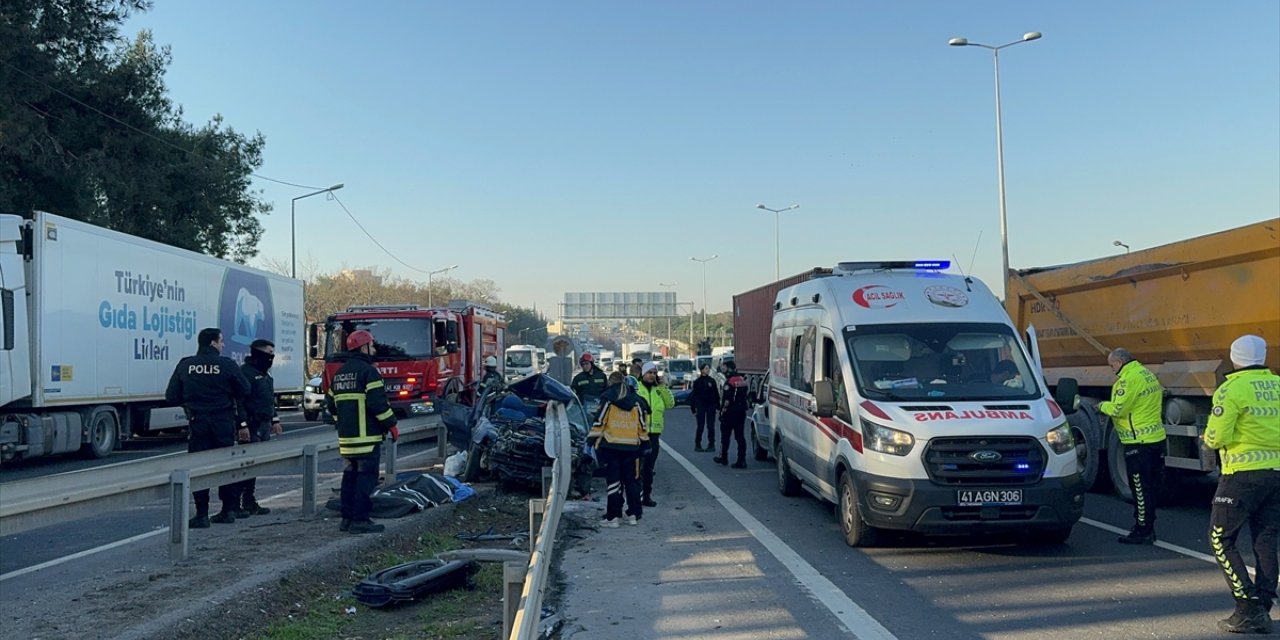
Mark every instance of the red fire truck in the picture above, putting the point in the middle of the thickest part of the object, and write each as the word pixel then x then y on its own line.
pixel 423 354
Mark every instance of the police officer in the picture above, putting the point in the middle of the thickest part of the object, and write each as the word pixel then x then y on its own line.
pixel 260 410
pixel 1244 426
pixel 1136 399
pixel 733 416
pixel 704 401
pixel 590 382
pixel 358 401
pixel 211 389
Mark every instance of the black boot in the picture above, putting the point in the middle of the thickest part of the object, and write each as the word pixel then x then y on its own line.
pixel 740 464
pixel 365 526
pixel 720 460
pixel 252 508
pixel 1249 617
pixel 1138 536
pixel 199 522
pixel 224 517
pixel 345 524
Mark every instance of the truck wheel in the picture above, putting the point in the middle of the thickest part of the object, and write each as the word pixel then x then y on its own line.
pixel 788 483
pixel 1116 467
pixel 102 434
pixel 857 533
pixel 761 453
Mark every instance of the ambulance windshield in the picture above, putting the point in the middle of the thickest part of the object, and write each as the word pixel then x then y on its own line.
pixel 969 361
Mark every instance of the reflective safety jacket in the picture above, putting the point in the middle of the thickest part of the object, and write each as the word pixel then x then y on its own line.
pixel 622 423
pixel 1245 422
pixel 589 386
pixel 358 401
pixel 660 399
pixel 1136 400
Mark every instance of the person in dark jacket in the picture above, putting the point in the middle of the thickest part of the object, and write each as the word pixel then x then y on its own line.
pixel 733 416
pixel 260 411
pixel 211 389
pixel 619 435
pixel 358 401
pixel 590 382
pixel 704 400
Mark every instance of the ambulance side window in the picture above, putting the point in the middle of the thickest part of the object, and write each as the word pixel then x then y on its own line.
pixel 831 371
pixel 802 359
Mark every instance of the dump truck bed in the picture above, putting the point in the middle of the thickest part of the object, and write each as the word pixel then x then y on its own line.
pixel 1177 303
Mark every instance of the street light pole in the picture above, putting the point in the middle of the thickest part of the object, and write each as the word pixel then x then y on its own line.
pixel 448 268
pixel 704 262
pixel 668 284
pixel 777 237
pixel 293 244
pixel 1004 225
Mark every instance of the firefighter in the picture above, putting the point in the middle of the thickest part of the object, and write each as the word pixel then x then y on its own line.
pixel 211 389
pixel 491 380
pixel 659 399
pixel 590 382
pixel 704 401
pixel 619 436
pixel 733 416
pixel 1244 426
pixel 358 401
pixel 260 410
pixel 1136 399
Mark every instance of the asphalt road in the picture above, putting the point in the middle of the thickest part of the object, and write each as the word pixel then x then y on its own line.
pixel 918 587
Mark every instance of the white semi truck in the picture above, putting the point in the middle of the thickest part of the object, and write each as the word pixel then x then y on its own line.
pixel 93 321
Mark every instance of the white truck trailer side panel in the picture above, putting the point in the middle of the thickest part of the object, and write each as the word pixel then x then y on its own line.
pixel 114 313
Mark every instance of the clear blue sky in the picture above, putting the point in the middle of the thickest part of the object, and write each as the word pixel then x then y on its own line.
pixel 596 146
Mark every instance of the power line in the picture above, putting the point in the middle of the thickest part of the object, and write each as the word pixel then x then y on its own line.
pixel 133 128
pixel 375 240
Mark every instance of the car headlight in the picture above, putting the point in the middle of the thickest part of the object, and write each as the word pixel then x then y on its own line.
pixel 880 438
pixel 1060 439
pixel 310 389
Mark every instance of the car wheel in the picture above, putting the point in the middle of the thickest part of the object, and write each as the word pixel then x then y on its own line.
pixel 761 453
pixel 788 483
pixel 311 416
pixel 857 533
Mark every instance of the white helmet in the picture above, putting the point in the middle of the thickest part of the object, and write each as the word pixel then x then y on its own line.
pixel 491 361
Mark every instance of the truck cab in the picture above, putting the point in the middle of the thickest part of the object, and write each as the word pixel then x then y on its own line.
pixel 885 400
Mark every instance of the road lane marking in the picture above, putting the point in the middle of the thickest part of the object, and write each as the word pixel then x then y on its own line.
pixel 80 554
pixel 1160 543
pixel 854 618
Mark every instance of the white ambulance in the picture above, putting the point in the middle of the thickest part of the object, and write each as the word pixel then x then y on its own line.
pixel 905 396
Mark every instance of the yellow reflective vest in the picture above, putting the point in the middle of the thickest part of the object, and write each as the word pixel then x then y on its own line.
pixel 660 399
pixel 1244 425
pixel 1134 407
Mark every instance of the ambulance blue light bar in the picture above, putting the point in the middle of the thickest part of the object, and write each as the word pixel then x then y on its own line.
pixel 917 265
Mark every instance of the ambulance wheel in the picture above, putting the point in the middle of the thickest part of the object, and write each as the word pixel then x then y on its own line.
pixel 788 483
pixel 857 533
pixel 102 434
pixel 311 416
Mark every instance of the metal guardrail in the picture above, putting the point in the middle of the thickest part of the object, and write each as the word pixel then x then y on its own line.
pixel 39 502
pixel 524 622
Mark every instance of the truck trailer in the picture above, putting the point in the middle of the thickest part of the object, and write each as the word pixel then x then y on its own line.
pixel 94 321
pixel 752 318
pixel 1176 307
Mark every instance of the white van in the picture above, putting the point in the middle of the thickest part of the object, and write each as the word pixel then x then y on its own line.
pixel 523 360
pixel 885 399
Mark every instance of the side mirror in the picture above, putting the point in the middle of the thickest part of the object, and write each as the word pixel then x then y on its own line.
pixel 313 337
pixel 824 395
pixel 1065 394
pixel 452 335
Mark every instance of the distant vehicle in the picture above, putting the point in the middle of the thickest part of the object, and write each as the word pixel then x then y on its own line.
pixel 606 360
pixel 759 428
pixel 522 360
pixel 680 373
pixel 313 399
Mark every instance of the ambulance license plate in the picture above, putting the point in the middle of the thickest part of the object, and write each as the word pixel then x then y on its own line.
pixel 988 497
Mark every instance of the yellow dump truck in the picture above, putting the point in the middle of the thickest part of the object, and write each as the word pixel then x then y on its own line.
pixel 1176 307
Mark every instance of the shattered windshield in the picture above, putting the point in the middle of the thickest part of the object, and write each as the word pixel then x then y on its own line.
pixel 971 361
